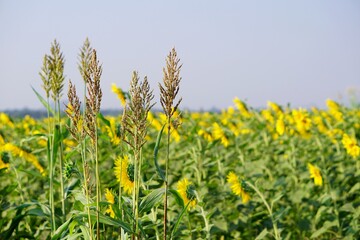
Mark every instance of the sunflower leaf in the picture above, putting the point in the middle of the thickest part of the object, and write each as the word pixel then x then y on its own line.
pixel 107 123
pixel 178 220
pixel 177 197
pixel 156 150
pixel 151 199
pixel 44 102
pixel 61 229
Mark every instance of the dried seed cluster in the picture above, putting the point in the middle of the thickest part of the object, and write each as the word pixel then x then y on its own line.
pixel 93 100
pixel 171 81
pixel 87 126
pixel 136 111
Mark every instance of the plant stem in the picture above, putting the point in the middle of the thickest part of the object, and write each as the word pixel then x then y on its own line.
pixel 61 154
pixel 166 175
pixel 276 231
pixel 97 176
pixel 135 192
pixel 137 187
pixel 51 172
pixel 83 151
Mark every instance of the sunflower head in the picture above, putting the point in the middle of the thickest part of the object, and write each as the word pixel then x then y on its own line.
pixel 110 198
pixel 240 189
pixel 315 174
pixel 187 192
pixel 124 172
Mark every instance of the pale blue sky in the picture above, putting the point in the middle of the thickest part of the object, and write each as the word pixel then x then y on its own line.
pixel 301 52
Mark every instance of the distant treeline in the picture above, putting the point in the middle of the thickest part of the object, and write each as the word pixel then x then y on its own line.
pixel 43 113
pixel 20 113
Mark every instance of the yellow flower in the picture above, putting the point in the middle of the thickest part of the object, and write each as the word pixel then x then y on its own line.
pixel 350 145
pixel 18 152
pixel 163 119
pixel 280 126
pixel 113 131
pixel 332 105
pixel 242 107
pixel 69 144
pixel 5 120
pixel 207 136
pixel 266 114
pixel 110 199
pixel 230 110
pixel 236 187
pixel 334 110
pixel 219 134
pixel 2 141
pixel 276 108
pixel 153 121
pixel 124 172
pixel 318 120
pixel 187 192
pixel 119 93
pixel 302 120
pixel 315 174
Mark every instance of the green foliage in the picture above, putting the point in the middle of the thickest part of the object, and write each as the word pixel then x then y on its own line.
pixel 269 151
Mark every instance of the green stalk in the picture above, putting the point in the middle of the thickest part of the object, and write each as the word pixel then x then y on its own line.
pixel 83 155
pixel 83 151
pixel 135 192
pixel 120 202
pixel 207 226
pixel 51 173
pixel 61 162
pixel 189 224
pixel 97 176
pixel 120 199
pixel 137 184
pixel 166 175
pixel 53 226
pixel 276 231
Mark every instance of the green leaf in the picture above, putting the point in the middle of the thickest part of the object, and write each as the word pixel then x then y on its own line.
pixel 56 143
pixel 151 199
pixel 348 207
pixel 177 197
pixel 44 102
pixel 355 188
pixel 178 220
pixel 36 212
pixel 107 122
pixel 262 234
pixel 32 173
pixel 108 221
pixel 70 187
pixel 75 236
pixel 80 196
pixel 275 199
pixel 8 189
pixel 86 233
pixel 156 150
pixel 61 229
pixel 14 224
pixel 324 229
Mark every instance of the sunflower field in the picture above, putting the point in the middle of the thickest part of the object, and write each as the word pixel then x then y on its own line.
pixel 242 173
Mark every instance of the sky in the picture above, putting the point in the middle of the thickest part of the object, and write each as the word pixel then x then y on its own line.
pixel 297 52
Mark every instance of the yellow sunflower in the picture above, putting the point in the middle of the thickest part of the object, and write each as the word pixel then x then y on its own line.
pixel 119 93
pixel 110 199
pixel 187 192
pixel 124 172
pixel 315 174
pixel 350 145
pixel 236 187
